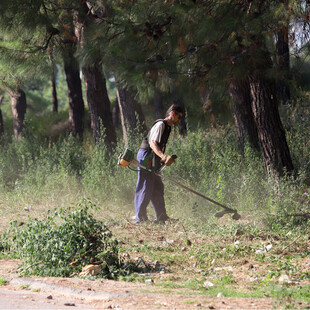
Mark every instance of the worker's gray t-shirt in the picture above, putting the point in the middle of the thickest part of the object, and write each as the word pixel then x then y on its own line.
pixel 156 132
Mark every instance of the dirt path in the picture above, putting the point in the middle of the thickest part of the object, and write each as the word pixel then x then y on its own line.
pixel 76 293
pixel 38 295
pixel 21 299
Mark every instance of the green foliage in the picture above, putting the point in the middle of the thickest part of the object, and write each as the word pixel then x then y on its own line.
pixel 39 95
pixel 296 120
pixel 18 65
pixel 62 242
pixel 98 172
pixel 2 281
pixel 33 161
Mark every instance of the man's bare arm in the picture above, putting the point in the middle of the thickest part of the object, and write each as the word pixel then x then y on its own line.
pixel 154 146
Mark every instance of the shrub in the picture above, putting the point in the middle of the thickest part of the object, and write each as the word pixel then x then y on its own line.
pixel 62 243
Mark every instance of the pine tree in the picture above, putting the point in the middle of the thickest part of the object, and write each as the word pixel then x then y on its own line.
pixel 159 44
pixel 239 90
pixel 97 96
pixel 25 35
pixel 1 118
pixel 16 68
pixel 205 41
pixel 132 117
pixel 53 79
pixel 68 48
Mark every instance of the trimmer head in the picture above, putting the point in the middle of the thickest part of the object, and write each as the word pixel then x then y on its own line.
pixel 236 216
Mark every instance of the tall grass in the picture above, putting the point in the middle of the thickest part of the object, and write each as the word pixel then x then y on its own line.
pixel 35 171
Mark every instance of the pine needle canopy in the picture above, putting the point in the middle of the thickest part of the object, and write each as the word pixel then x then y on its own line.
pixel 27 31
pixel 200 40
pixel 18 64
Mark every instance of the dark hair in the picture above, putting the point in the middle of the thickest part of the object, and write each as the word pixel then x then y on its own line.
pixel 174 108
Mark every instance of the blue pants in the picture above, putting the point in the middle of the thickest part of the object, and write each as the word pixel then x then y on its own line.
pixel 149 188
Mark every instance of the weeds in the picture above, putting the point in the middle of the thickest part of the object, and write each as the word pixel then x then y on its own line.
pixel 24 287
pixel 33 169
pixel 2 282
pixel 36 290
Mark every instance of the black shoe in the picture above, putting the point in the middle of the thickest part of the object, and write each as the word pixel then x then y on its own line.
pixel 171 220
pixel 142 222
pixel 159 221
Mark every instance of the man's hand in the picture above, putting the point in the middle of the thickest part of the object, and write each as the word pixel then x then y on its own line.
pixel 167 160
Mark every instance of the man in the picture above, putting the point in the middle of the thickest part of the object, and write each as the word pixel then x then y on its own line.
pixel 150 187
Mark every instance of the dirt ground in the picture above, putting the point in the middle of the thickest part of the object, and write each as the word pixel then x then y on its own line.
pixel 63 293
pixel 76 293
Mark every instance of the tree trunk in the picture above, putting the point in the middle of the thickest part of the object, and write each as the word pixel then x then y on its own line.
pixel 54 91
pixel 242 111
pixel 96 91
pixel 99 104
pixel 19 106
pixel 178 101
pixel 1 124
pixel 1 118
pixel 53 78
pixel 115 114
pixel 283 89
pixel 207 105
pixel 270 130
pixel 182 124
pixel 76 103
pixel 131 113
pixel 158 104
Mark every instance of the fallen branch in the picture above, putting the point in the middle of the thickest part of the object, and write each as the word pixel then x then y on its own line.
pixel 291 243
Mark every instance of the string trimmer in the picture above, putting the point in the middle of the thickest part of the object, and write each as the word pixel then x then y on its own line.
pixel 127 159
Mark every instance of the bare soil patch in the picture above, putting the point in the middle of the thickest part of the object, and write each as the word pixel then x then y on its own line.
pixel 129 295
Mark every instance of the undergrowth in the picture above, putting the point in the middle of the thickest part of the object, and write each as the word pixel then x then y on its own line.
pixel 35 169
